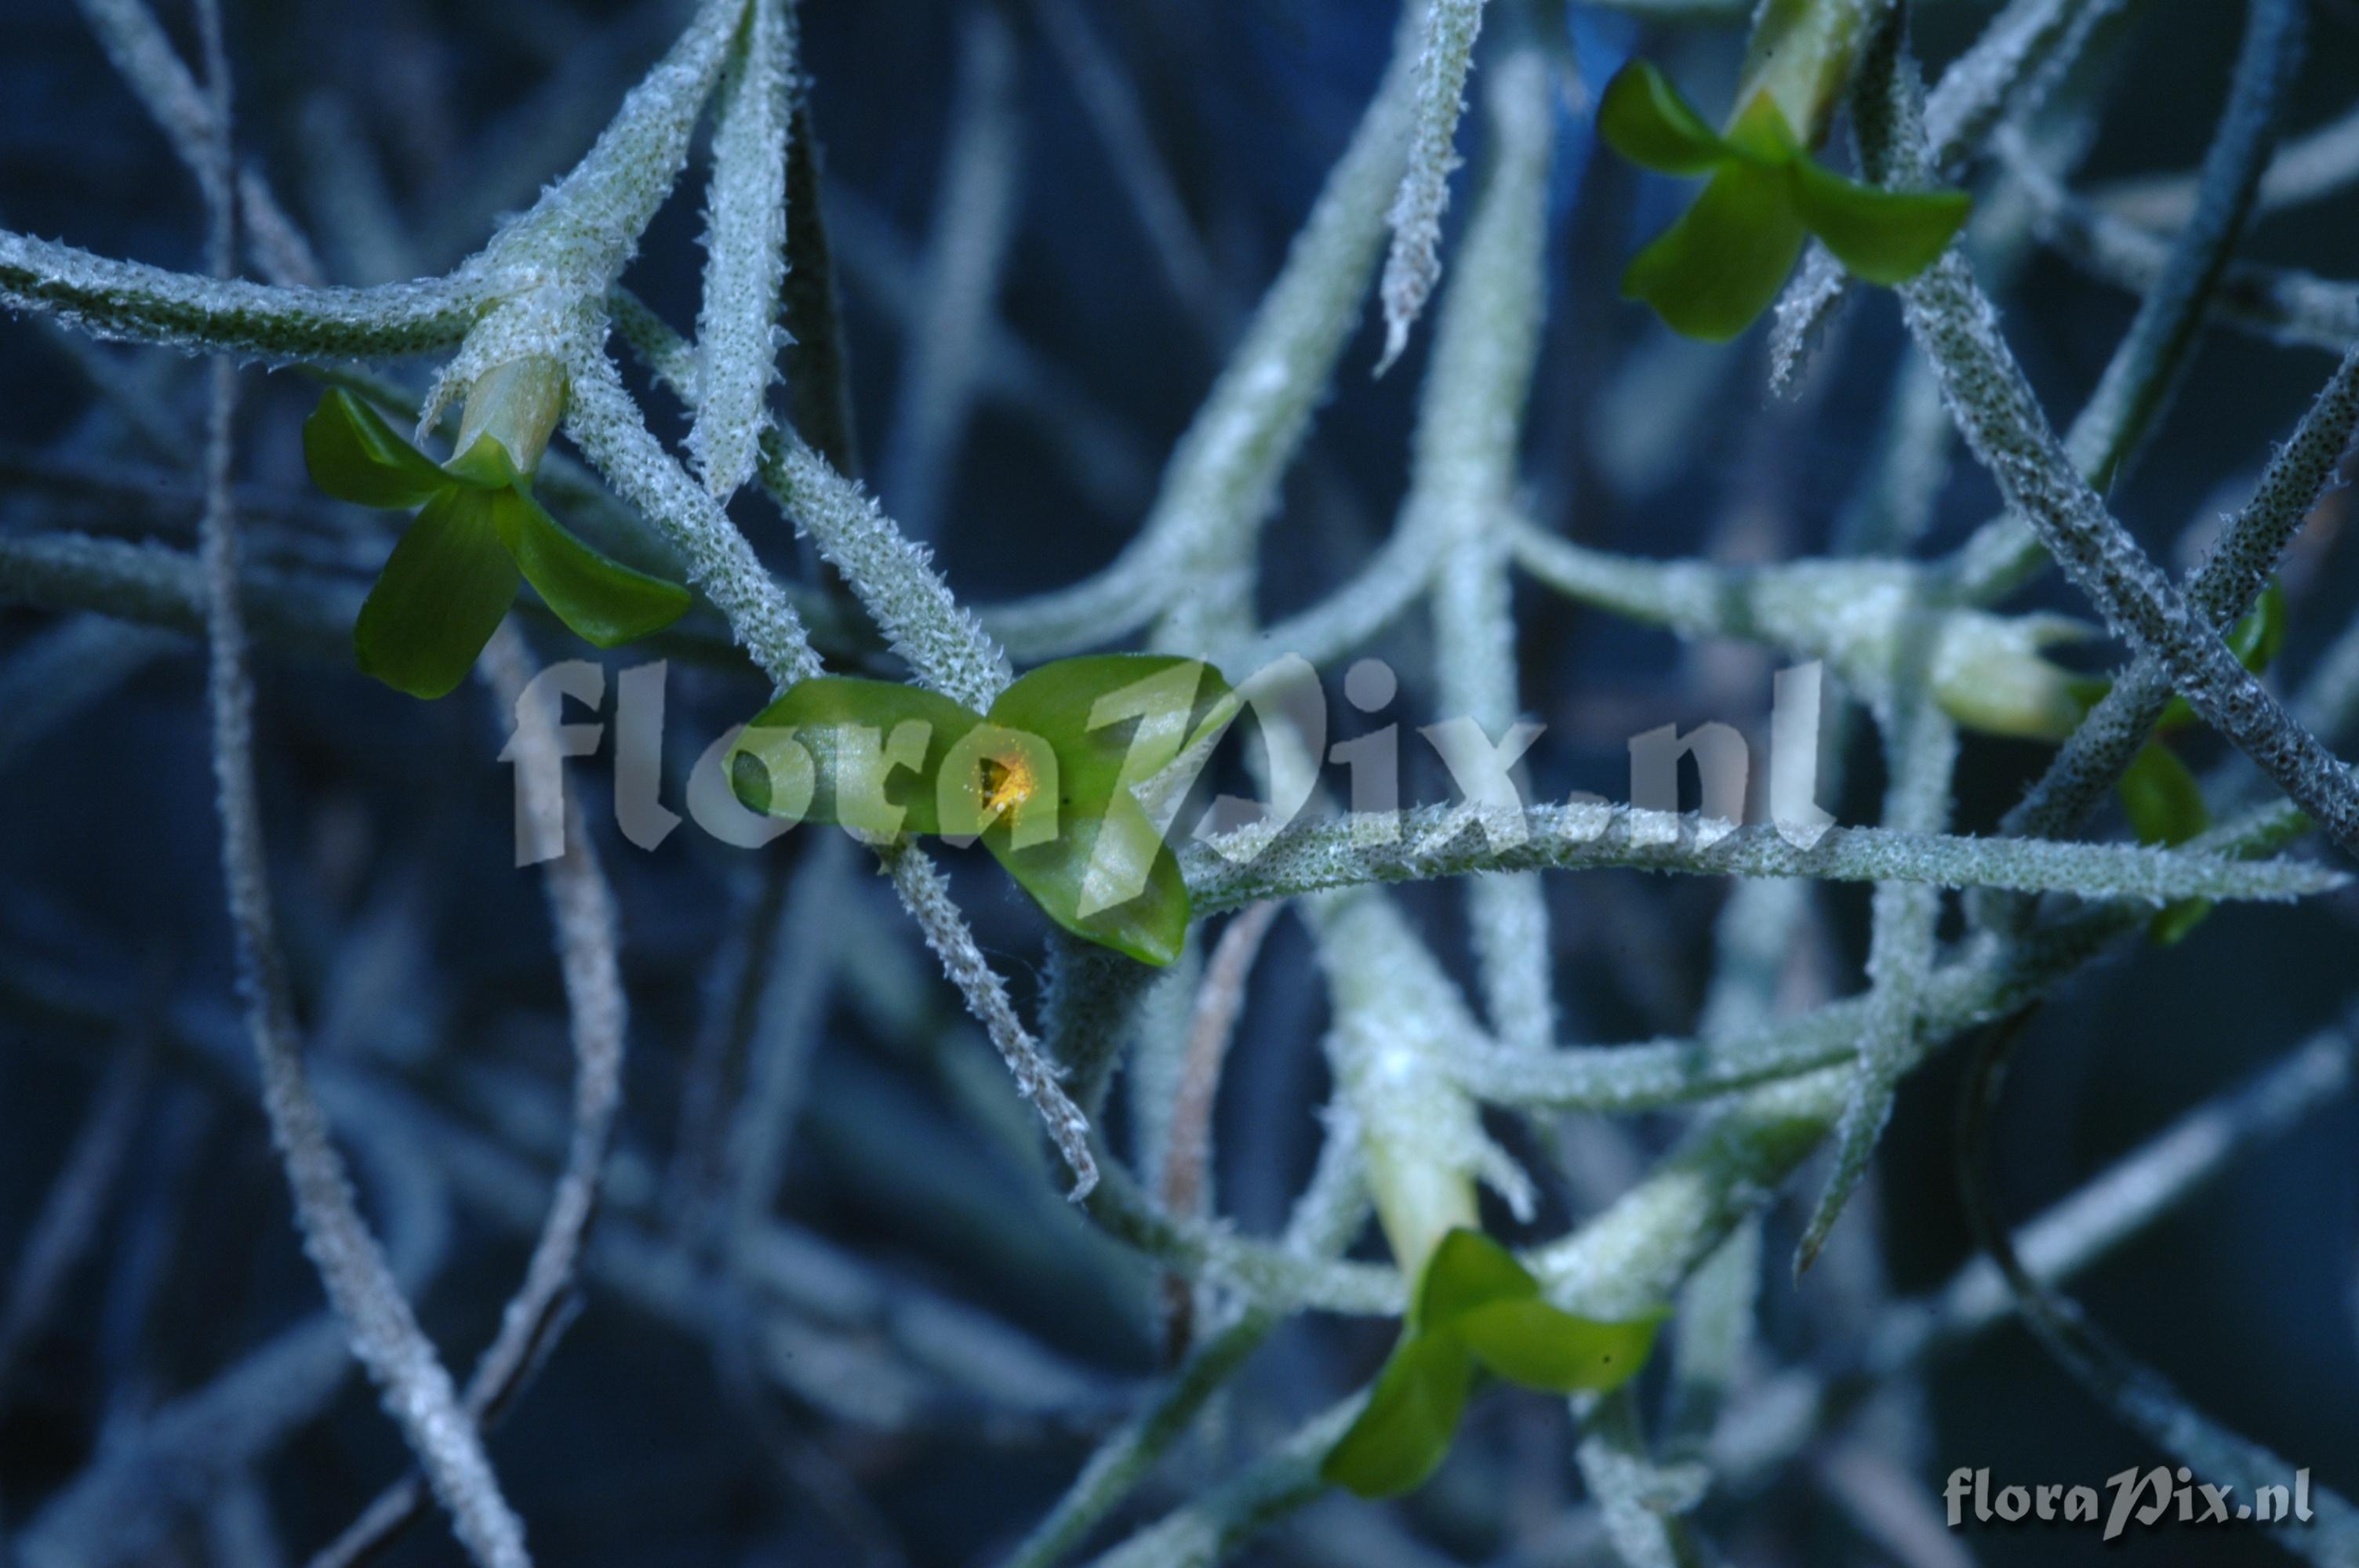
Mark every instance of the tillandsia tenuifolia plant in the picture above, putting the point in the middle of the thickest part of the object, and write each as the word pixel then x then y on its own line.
pixel 1716 269
pixel 478 532
pixel 1476 1308
pixel 836 1199
pixel 1049 779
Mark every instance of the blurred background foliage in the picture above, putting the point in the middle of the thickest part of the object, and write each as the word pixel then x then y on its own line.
pixel 905 1428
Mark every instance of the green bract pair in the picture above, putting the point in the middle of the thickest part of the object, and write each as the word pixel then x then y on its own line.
pixel 1476 1308
pixel 2161 799
pixel 1049 779
pixel 477 534
pixel 1721 264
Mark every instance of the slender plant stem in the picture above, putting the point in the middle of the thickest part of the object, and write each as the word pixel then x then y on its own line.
pixel 384 1330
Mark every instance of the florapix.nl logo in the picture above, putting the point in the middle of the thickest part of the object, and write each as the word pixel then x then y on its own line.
pixel 868 777
pixel 2150 1499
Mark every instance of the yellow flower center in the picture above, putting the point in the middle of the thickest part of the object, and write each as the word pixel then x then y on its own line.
pixel 1007 782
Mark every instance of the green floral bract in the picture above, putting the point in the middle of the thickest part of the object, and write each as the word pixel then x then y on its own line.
pixel 1047 780
pixel 1476 1309
pixel 454 574
pixel 1722 265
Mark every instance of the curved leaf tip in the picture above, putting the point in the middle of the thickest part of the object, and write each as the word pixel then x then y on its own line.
pixel 600 599
pixel 1881 236
pixel 353 455
pixel 1474 1309
pixel 1642 116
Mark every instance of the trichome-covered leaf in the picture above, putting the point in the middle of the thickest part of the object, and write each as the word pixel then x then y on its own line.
pixel 2165 805
pixel 2254 640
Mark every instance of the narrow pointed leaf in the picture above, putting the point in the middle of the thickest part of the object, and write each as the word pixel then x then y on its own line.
pixel 1642 117
pixel 1469 1269
pixel 353 455
pixel 746 246
pixel 439 598
pixel 865 753
pixel 1412 1413
pixel 1532 1344
pixel 597 213
pixel 600 599
pixel 1716 269
pixel 1881 236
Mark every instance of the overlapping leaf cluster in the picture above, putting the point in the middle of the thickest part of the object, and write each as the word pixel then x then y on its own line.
pixel 1716 270
pixel 478 534
pixel 1048 779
